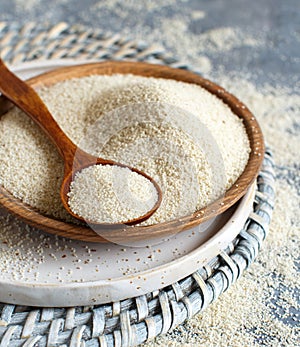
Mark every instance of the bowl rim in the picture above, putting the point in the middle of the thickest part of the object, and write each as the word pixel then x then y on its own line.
pixel 51 225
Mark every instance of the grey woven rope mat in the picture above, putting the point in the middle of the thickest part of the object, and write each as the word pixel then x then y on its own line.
pixel 133 321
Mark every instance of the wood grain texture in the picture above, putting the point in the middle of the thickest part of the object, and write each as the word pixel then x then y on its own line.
pixel 119 233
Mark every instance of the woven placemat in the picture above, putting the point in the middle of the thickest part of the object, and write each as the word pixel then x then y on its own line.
pixel 135 320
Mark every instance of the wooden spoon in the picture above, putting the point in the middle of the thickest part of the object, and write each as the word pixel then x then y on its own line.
pixel 75 159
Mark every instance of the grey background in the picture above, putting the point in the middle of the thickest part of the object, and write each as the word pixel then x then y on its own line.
pixel 275 22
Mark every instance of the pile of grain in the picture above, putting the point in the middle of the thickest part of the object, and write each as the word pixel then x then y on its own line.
pixel 167 148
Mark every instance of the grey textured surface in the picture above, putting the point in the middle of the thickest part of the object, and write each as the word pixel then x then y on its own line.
pixel 275 22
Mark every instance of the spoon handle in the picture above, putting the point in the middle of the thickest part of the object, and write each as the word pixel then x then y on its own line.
pixel 26 98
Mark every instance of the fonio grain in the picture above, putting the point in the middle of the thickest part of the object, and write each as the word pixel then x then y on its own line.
pixel 31 169
pixel 111 194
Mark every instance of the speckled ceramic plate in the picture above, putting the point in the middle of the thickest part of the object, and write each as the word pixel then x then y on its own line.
pixel 45 270
pixel 51 271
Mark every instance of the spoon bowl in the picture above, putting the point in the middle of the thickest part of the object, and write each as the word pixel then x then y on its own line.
pixel 24 97
pixel 90 161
